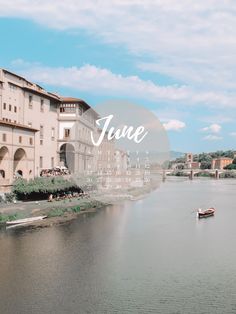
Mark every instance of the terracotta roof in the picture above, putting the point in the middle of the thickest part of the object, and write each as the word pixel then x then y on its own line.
pixel 71 99
pixel 17 125
pixel 67 100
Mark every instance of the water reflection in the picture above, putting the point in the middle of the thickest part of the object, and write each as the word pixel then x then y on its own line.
pixel 149 256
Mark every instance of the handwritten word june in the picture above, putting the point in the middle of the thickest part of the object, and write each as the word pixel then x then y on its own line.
pixel 137 136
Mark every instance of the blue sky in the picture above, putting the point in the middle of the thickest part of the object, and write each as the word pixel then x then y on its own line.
pixel 176 58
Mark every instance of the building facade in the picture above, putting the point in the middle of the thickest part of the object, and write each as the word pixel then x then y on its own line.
pixel 41 131
pixel 28 116
pixel 76 121
pixel 220 163
pixel 17 153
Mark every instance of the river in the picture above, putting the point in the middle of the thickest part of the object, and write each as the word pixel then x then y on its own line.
pixel 146 256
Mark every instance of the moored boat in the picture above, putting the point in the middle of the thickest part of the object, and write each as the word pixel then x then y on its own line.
pixel 206 213
pixel 25 220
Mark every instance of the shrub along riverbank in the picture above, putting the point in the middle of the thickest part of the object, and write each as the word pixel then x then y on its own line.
pixel 41 187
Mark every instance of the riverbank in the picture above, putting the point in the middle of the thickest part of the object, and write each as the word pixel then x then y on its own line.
pixel 57 211
pixel 64 211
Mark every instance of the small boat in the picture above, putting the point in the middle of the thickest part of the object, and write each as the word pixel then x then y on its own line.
pixel 25 220
pixel 206 213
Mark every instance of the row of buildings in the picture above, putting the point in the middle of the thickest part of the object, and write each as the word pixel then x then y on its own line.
pixel 216 163
pixel 36 133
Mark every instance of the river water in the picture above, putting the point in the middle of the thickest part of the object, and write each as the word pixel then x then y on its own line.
pixel 147 256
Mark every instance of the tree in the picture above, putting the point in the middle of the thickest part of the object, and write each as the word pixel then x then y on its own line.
pixel 230 167
pixel 206 165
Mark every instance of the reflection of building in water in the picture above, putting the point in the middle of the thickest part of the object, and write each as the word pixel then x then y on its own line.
pixel 76 122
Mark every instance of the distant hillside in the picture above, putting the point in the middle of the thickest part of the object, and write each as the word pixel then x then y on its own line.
pixel 174 154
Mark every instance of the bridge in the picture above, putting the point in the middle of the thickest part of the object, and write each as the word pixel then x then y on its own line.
pixel 193 172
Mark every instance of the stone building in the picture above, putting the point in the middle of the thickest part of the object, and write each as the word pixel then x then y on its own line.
pixel 17 152
pixel 76 121
pixel 28 129
pixel 40 130
pixel 220 163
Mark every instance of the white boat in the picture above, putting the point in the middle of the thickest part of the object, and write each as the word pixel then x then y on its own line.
pixel 25 220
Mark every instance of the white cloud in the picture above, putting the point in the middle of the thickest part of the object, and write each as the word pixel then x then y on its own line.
pixel 212 137
pixel 102 81
pixel 233 134
pixel 219 118
pixel 174 125
pixel 213 128
pixel 192 41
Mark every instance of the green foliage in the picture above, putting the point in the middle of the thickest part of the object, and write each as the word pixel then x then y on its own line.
pixel 206 165
pixel 2 199
pixel 4 218
pixel 228 174
pixel 9 197
pixel 204 174
pixel 42 186
pixel 230 167
pixel 75 209
pixel 180 174
pixel 57 212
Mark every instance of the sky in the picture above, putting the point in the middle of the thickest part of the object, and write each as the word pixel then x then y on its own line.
pixel 175 57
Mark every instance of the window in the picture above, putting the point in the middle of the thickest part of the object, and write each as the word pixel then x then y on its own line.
pixel 41 105
pixel 4 137
pixel 68 108
pixel 41 162
pixel 52 162
pixel 20 139
pixel 41 131
pixel 31 141
pixel 53 134
pixel 66 133
pixel 9 107
pixel 30 101
pixel 4 106
pixel 15 109
pixel 41 142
